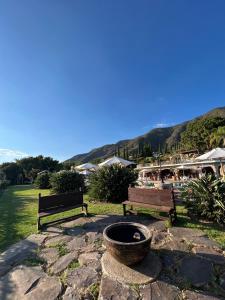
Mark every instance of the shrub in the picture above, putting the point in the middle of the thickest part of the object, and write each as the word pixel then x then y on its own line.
pixel 3 184
pixel 111 183
pixel 205 198
pixel 42 181
pixel 66 181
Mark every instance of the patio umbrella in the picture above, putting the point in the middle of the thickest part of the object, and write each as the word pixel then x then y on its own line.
pixel 87 166
pixel 217 153
pixel 85 172
pixel 116 160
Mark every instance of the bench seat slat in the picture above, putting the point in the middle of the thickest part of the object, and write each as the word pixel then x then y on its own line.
pixel 56 201
pixel 58 210
pixel 157 207
pixel 150 196
pixel 160 200
pixel 54 204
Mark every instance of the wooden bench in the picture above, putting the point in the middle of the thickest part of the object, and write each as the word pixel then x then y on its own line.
pixel 50 205
pixel 161 200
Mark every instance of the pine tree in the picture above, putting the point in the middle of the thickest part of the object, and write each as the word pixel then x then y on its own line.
pixel 124 153
pixel 127 154
pixel 159 148
pixel 118 151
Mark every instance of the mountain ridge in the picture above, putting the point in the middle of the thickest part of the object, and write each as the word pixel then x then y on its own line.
pixel 156 136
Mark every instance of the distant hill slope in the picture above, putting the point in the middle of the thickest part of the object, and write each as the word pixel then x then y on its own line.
pixel 156 136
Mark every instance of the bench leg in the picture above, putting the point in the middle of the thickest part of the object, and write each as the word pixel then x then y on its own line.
pixel 38 224
pixel 85 210
pixel 124 209
pixel 172 216
pixel 175 215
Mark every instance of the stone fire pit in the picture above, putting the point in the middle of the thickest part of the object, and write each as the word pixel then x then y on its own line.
pixel 127 242
pixel 128 257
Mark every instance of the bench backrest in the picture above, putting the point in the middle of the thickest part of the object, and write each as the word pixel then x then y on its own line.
pixel 151 196
pixel 46 203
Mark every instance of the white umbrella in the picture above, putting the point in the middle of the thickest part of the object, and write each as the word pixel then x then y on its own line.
pixel 85 172
pixel 217 153
pixel 116 160
pixel 86 166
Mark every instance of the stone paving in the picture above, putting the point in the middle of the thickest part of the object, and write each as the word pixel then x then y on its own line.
pixel 64 262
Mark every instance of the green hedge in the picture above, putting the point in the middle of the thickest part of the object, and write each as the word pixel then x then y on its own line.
pixel 3 184
pixel 110 183
pixel 42 181
pixel 66 181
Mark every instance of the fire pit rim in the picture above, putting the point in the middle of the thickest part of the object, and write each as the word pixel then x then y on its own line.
pixel 145 229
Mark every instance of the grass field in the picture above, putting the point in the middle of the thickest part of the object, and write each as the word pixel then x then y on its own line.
pixel 18 215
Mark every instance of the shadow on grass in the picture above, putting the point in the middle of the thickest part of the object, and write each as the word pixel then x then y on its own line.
pixel 213 230
pixel 15 217
pixel 184 219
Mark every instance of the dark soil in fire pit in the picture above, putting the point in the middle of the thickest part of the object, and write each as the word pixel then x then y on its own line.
pixel 126 234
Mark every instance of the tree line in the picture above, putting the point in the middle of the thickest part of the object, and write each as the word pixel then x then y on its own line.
pixel 26 169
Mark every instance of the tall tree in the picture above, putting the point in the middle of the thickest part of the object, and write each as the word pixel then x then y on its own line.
pixel 127 153
pixel 118 151
pixel 147 152
pixel 197 134
pixel 32 165
pixel 124 153
pixel 13 173
pixel 217 137
pixel 28 167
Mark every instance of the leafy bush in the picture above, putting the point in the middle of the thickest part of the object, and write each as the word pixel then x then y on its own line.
pixel 205 198
pixel 110 183
pixel 3 184
pixel 42 181
pixel 66 181
pixel 12 172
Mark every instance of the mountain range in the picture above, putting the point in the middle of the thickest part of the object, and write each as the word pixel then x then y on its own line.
pixel 157 136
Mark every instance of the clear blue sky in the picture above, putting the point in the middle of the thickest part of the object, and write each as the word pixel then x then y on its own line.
pixel 78 74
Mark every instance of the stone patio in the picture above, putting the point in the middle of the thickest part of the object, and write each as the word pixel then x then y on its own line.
pixel 64 262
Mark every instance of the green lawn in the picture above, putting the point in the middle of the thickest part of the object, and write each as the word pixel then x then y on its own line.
pixel 18 215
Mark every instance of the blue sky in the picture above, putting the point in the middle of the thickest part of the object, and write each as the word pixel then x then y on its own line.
pixel 75 75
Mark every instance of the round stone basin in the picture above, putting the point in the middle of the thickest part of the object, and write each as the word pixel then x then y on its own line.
pixel 128 242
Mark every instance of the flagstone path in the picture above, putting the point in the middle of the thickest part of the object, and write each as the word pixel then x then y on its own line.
pixel 64 262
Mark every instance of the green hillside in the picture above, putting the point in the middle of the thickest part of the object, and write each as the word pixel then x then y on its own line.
pixel 157 137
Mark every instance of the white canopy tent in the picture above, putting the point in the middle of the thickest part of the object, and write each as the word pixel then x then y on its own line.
pixel 85 172
pixel 116 160
pixel 87 166
pixel 217 153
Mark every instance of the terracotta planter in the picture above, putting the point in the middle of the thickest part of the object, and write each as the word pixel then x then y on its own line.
pixel 128 242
